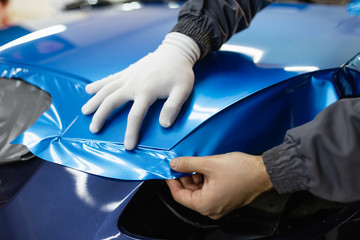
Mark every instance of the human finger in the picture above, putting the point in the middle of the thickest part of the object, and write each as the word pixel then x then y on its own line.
pixel 108 105
pixel 181 194
pixel 216 216
pixel 172 106
pixel 135 119
pixel 189 183
pixel 197 178
pixel 96 86
pixel 189 164
pixel 94 102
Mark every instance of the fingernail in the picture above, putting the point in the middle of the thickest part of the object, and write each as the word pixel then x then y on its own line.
pixel 173 163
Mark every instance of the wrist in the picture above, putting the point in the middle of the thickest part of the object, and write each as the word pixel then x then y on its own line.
pixel 183 44
pixel 264 176
pixel 285 167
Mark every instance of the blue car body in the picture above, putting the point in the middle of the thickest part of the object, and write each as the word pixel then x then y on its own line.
pixel 293 61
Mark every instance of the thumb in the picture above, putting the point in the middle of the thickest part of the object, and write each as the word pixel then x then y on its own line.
pixel 188 164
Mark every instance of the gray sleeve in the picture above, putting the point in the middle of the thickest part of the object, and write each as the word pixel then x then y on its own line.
pixel 322 156
pixel 212 22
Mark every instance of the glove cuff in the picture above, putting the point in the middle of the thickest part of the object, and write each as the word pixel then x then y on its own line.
pixel 184 44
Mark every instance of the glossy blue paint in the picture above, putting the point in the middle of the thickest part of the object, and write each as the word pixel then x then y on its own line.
pixel 260 121
pixel 104 42
pixel 271 51
pixel 9 34
pixel 62 203
pixel 354 7
pixel 302 35
pixel 101 43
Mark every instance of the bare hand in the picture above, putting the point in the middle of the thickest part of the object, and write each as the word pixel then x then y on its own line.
pixel 222 182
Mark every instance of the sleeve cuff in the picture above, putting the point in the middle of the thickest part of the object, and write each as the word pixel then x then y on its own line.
pixel 198 32
pixel 286 168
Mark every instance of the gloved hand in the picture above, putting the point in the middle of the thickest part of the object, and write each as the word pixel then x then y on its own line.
pixel 165 73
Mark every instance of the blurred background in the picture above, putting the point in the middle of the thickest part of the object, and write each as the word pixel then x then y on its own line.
pixel 15 11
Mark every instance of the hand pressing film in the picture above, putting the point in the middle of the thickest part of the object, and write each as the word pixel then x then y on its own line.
pixel 167 73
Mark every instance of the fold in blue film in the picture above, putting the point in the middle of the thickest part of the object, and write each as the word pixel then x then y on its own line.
pixel 240 117
pixel 241 120
pixel 61 135
pixel 48 138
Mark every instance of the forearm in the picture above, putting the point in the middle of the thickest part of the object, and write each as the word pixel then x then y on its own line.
pixel 211 23
pixel 322 156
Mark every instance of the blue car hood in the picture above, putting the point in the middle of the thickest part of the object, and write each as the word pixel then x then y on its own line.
pixel 284 41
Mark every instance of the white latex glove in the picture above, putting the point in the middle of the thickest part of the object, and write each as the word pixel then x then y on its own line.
pixel 165 73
